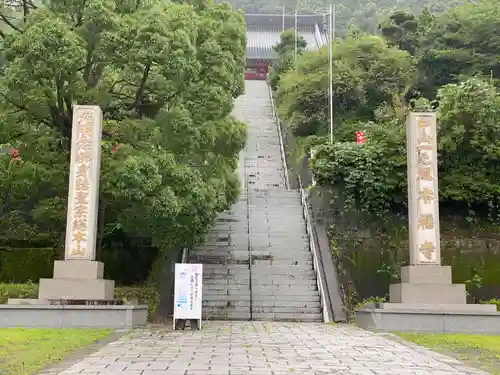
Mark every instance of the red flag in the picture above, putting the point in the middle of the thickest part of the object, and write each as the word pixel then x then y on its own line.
pixel 360 138
pixel 15 155
pixel 115 148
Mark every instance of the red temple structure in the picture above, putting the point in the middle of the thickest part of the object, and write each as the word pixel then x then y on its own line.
pixel 263 33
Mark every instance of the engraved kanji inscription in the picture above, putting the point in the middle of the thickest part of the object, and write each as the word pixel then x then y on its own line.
pixel 424 173
pixel 427 250
pixel 85 148
pixel 423 122
pixel 426 195
pixel 426 221
pixel 424 137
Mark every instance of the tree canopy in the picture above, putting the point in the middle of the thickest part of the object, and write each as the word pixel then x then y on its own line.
pixel 165 75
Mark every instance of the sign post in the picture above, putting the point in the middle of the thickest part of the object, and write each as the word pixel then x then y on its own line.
pixel 188 294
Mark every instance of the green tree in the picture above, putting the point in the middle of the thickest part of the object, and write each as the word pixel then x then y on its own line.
pixel 372 177
pixel 469 118
pixel 400 30
pixel 165 75
pixel 286 55
pixel 367 74
pixel 462 42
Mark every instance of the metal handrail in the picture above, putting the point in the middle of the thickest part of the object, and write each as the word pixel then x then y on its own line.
pixel 326 305
pixel 282 148
pixel 185 255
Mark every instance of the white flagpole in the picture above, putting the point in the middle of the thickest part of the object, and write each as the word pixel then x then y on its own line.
pixel 330 67
pixel 283 22
pixel 296 36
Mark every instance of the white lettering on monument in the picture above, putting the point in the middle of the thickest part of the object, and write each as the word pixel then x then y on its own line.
pixel 423 189
pixel 84 183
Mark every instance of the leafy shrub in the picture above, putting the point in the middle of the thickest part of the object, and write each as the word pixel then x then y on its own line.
pixel 371 301
pixel 371 177
pixel 147 295
pixel 493 301
pixel 141 294
pixel 23 265
pixel 27 290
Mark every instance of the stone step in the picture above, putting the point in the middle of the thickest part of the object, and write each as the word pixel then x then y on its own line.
pixel 216 296
pixel 256 291
pixel 281 268
pixel 263 303
pixel 224 285
pixel 224 267
pixel 225 315
pixel 304 264
pixel 208 258
pixel 260 289
pixel 288 317
pixel 277 281
pixel 265 299
pixel 259 276
pixel 270 254
pixel 283 237
pixel 298 234
pixel 275 193
pixel 217 259
pixel 289 244
pixel 270 213
pixel 258 261
pixel 286 298
pixel 285 310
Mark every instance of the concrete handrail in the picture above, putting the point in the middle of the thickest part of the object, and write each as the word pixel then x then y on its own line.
pixel 318 267
pixel 282 148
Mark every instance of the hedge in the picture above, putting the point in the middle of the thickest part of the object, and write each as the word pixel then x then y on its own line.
pixel 22 265
pixel 141 294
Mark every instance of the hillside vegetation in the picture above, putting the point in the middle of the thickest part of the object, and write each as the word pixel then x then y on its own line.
pixel 363 14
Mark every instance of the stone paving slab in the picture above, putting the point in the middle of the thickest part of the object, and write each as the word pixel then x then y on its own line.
pixel 265 348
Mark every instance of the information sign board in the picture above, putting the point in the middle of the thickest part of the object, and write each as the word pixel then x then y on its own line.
pixel 188 292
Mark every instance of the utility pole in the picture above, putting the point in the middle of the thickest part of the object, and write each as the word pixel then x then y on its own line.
pixel 330 66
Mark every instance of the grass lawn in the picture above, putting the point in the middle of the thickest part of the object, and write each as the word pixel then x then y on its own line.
pixel 24 351
pixel 479 350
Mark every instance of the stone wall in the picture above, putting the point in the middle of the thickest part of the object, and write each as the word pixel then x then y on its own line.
pixel 372 251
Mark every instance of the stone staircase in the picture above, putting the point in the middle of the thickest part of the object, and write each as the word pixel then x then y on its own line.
pixel 257 262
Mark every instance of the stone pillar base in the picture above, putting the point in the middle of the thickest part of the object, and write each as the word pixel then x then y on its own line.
pixel 427 285
pixel 77 280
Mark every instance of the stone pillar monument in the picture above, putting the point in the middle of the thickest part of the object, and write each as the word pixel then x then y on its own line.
pixel 426 300
pixel 79 276
pixel 425 280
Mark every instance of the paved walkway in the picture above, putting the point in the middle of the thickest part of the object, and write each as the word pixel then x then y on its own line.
pixel 262 348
